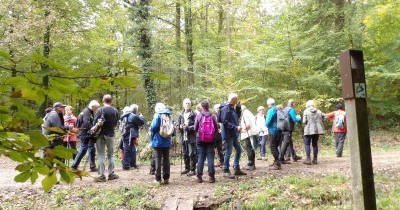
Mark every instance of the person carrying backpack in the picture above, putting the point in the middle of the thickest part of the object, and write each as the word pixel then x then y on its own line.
pixel 339 127
pixel 161 141
pixel 188 137
pixel 273 133
pixel 205 126
pixel 287 143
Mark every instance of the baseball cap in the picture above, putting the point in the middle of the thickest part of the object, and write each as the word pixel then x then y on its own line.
pixel 58 104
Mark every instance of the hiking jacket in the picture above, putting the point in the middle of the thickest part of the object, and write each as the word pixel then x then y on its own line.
pixel 133 121
pixel 198 122
pixel 54 119
pixel 156 139
pixel 272 120
pixel 87 123
pixel 313 121
pixel 230 121
pixel 111 117
pixel 190 132
pixel 248 120
pixel 70 120
pixel 292 117
pixel 332 116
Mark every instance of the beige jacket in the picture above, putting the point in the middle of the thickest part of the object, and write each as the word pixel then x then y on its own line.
pixel 313 121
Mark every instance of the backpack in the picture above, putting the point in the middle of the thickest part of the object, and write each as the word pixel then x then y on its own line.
pixel 206 129
pixel 339 119
pixel 166 126
pixel 124 128
pixel 283 123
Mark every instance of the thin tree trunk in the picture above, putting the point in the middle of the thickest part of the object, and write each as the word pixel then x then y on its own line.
pixel 205 63
pixel 178 77
pixel 220 28
pixel 228 34
pixel 189 39
pixel 44 67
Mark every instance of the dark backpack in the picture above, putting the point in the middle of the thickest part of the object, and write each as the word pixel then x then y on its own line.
pixel 124 127
pixel 206 129
pixel 283 123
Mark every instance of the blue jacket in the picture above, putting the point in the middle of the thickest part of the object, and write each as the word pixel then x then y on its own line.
pixel 292 117
pixel 156 139
pixel 133 121
pixel 271 120
pixel 230 121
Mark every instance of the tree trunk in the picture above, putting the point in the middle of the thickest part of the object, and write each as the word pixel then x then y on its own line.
pixel 189 39
pixel 228 35
pixel 44 67
pixel 142 16
pixel 206 41
pixel 220 28
pixel 178 78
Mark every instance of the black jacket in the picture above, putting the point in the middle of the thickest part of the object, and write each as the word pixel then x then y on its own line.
pixel 86 123
pixel 191 133
pixel 111 118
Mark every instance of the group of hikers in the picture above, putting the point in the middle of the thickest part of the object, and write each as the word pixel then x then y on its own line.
pixel 203 133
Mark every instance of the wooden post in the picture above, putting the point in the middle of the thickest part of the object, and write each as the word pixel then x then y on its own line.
pixel 354 94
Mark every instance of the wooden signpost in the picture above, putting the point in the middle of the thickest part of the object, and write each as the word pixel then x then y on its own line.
pixel 355 96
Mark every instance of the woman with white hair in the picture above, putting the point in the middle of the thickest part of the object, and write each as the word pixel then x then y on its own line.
pixel 313 127
pixel 262 132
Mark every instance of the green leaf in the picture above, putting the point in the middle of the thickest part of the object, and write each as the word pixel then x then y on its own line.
pixel 49 181
pixel 38 139
pixel 5 55
pixel 63 152
pixel 4 110
pixel 55 129
pixel 43 60
pixel 44 170
pixel 34 177
pixel 159 76
pixel 24 167
pixel 66 176
pixel 22 177
pixel 16 156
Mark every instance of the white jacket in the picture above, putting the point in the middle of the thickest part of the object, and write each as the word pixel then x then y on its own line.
pixel 248 119
pixel 260 124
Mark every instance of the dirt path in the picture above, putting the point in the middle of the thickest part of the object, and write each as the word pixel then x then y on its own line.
pixel 184 187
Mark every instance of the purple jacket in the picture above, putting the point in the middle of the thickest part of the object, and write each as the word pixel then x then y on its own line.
pixel 198 121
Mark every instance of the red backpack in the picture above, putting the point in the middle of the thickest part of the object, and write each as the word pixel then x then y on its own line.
pixel 206 129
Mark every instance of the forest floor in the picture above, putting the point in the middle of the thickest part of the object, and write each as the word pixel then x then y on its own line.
pixel 186 188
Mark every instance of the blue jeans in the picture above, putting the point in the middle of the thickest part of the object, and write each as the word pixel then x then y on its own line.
pixel 129 159
pixel 101 144
pixel 229 142
pixel 311 139
pixel 203 151
pixel 86 145
pixel 263 142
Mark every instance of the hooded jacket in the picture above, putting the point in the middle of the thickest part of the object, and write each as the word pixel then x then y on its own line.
pixel 133 122
pixel 313 121
pixel 198 122
pixel 156 139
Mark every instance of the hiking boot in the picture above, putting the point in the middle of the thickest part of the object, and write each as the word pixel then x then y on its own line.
pixel 211 179
pixel 126 168
pixel 191 173
pixel 285 161
pixel 275 165
pixel 112 176
pixel 307 161
pixel 314 161
pixel 100 179
pixel 296 158
pixel 185 171
pixel 166 181
pixel 74 168
pixel 227 174
pixel 93 169
pixel 199 179
pixel 157 181
pixel 250 168
pixel 238 172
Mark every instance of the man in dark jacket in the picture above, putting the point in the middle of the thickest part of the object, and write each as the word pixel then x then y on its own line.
pixel 188 137
pixel 229 118
pixel 130 135
pixel 55 119
pixel 106 138
pixel 85 123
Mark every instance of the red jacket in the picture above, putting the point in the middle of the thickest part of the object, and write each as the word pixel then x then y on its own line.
pixel 70 120
pixel 332 116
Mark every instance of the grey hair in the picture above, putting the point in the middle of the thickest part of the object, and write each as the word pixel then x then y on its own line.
pixel 310 103
pixel 232 96
pixel 290 102
pixel 126 110
pixel 93 104
pixel 216 107
pixel 270 101
pixel 134 108
pixel 159 107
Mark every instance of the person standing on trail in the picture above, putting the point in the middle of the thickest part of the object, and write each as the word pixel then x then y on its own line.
pixel 249 135
pixel 339 127
pixel 287 135
pixel 262 132
pixel 313 127
pixel 70 120
pixel 188 137
pixel 106 138
pixel 84 123
pixel 273 133
pixel 218 139
pixel 205 126
pixel 229 119
pixel 134 121
pixel 161 142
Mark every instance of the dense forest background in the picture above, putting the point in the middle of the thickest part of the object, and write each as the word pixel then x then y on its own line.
pixel 144 51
